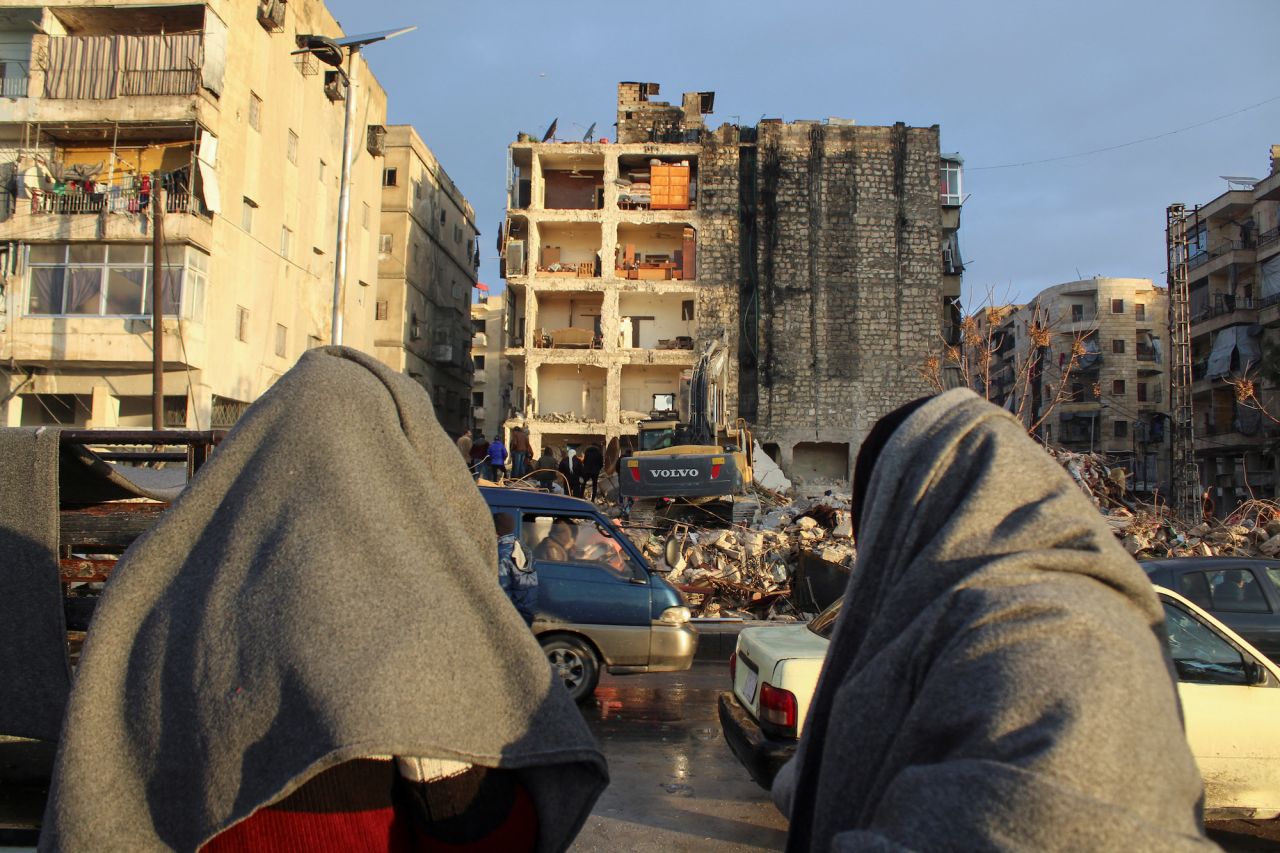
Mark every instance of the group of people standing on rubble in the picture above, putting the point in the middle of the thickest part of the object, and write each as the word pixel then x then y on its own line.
pixel 490 459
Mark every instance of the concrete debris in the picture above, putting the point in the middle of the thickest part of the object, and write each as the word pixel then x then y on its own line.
pixel 747 571
pixel 766 472
pixel 1151 531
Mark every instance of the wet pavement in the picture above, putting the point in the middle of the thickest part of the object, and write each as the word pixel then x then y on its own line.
pixel 675 784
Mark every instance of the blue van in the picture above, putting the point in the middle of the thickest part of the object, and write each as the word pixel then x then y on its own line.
pixel 600 604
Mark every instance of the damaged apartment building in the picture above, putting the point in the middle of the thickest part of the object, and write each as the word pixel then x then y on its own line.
pixel 105 107
pixel 815 262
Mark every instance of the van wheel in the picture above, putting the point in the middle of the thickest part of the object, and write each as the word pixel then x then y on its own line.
pixel 575 662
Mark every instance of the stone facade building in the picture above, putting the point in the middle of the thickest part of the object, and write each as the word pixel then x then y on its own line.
pixel 102 103
pixel 818 259
pixel 491 389
pixel 1234 285
pixel 1111 397
pixel 427 262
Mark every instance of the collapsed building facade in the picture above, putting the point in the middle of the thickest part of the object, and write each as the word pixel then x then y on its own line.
pixel 818 261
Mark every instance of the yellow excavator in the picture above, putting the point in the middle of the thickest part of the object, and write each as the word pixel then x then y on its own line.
pixel 687 462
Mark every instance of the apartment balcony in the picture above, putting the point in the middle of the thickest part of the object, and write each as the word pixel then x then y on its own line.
pixel 1225 310
pixel 1268 242
pixel 115 56
pixel 1222 256
pixel 14 79
pixel 1268 189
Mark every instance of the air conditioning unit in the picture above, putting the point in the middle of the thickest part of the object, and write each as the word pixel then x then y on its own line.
pixel 415 332
pixel 515 258
pixel 335 85
pixel 271 15
pixel 376 142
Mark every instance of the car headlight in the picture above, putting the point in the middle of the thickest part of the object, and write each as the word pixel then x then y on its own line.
pixel 676 615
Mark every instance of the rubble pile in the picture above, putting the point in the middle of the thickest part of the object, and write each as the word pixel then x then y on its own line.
pixel 747 571
pixel 1152 531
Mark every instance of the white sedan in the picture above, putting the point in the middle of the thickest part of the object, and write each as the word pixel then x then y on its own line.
pixel 1230 699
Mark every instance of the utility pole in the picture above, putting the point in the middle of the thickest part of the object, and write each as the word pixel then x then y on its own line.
pixel 1182 470
pixel 157 303
pixel 332 52
pixel 344 196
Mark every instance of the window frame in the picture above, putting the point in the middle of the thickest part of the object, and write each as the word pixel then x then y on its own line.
pixel 185 268
pixel 291 147
pixel 255 111
pixel 1117 306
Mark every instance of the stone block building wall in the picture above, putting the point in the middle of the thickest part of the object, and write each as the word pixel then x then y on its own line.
pixel 847 260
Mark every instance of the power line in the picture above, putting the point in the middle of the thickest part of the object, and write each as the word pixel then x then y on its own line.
pixel 1124 144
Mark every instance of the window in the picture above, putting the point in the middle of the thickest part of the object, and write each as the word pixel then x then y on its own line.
pixel 479 361
pixel 389 176
pixel 1236 591
pixel 1117 346
pixel 246 214
pixel 313 341
pixel 96 279
pixel 320 172
pixel 381 310
pixel 1117 306
pixel 686 309
pixel 384 244
pixel 950 184
pixel 1139 312
pixel 255 111
pixel 282 340
pixel 1077 313
pixel 1121 429
pixel 1199 654
pixel 1142 392
pixel 477 398
pixel 292 150
pixel 242 323
pixel 1117 387
pixel 579 542
pixel 417 190
pixel 364 216
pixel 286 239
pixel 477 325
pixel 443 217
pixel 457 234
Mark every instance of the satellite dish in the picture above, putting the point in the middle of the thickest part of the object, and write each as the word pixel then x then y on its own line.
pixel 586 137
pixel 551 131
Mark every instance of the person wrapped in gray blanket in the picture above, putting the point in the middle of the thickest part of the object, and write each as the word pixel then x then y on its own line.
pixel 997 679
pixel 311 648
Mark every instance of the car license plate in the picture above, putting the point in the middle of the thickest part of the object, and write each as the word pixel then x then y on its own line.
pixel 749 689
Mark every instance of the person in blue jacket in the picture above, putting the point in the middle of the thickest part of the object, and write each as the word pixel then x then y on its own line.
pixel 495 464
pixel 516 574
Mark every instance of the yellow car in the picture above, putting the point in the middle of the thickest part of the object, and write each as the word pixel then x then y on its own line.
pixel 1230 696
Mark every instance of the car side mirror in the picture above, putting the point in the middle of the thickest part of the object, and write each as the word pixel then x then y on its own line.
pixel 1255 673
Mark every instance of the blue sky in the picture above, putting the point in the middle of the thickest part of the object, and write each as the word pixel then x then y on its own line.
pixel 1007 82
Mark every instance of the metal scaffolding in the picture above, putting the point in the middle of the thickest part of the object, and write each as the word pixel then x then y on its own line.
pixel 1185 473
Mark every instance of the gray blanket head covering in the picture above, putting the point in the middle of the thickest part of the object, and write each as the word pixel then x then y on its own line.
pixel 326 588
pixel 997 679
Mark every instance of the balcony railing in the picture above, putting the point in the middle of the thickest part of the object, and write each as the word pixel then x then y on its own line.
pixel 1218 251
pixel 1226 304
pixel 115 200
pixel 1145 354
pixel 1266 238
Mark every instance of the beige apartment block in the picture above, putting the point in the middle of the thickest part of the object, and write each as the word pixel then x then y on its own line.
pixel 1111 399
pixel 491 389
pixel 604 299
pixel 102 104
pixel 1234 286
pixel 427 262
